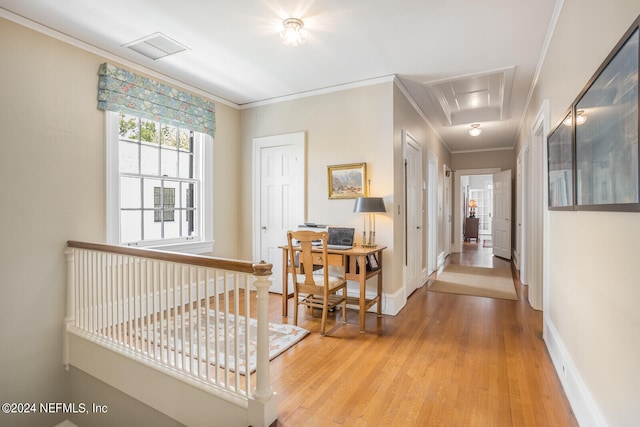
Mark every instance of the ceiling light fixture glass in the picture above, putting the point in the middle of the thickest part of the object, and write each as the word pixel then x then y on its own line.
pixel 292 34
pixel 475 129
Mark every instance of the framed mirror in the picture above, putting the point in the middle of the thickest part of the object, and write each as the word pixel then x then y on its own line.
pixel 606 133
pixel 560 167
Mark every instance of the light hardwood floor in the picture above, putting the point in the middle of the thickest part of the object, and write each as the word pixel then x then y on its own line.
pixel 444 360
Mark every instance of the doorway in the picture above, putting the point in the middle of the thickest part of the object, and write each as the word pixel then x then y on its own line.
pixel 460 208
pixel 278 196
pixel 413 213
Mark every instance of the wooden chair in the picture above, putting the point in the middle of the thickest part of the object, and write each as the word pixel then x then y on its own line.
pixel 313 286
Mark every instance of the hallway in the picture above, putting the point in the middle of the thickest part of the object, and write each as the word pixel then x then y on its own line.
pixel 444 360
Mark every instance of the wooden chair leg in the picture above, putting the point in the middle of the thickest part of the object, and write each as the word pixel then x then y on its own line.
pixel 295 308
pixel 325 310
pixel 344 306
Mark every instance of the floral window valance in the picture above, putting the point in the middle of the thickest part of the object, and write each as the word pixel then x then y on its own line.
pixel 123 91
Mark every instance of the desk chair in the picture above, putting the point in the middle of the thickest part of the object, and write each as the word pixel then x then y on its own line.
pixel 312 287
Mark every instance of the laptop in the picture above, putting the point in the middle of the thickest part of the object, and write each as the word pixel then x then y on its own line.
pixel 340 238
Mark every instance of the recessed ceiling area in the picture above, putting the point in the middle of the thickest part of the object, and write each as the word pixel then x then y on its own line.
pixel 475 98
pixel 443 55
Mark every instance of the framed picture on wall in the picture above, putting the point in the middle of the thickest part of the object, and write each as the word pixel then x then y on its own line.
pixel 560 150
pixel 606 137
pixel 347 181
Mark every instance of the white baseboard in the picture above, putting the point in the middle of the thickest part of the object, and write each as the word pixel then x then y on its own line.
pixel 391 303
pixel 585 409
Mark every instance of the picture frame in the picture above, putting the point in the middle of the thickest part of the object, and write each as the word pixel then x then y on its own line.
pixel 560 162
pixel 607 161
pixel 347 181
pixel 372 262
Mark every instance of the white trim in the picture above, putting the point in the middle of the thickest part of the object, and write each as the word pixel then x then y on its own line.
pixel 415 106
pixel 582 402
pixel 543 55
pixel 20 20
pixel 482 150
pixel 315 92
pixel 204 168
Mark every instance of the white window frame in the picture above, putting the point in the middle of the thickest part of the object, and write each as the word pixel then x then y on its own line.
pixel 203 163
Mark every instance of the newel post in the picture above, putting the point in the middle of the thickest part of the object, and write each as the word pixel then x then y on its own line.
pixel 263 408
pixel 70 314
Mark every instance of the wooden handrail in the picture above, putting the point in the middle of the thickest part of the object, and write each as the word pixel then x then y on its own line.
pixel 261 269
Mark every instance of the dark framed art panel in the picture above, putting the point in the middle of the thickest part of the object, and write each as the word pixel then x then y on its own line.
pixel 606 140
pixel 560 153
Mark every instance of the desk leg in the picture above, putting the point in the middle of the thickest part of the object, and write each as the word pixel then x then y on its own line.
pixel 362 276
pixel 285 283
pixel 379 255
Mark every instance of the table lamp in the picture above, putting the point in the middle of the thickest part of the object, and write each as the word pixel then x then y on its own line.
pixel 472 208
pixel 369 206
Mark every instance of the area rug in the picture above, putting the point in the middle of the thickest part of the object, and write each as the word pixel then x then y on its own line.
pixel 281 338
pixel 475 281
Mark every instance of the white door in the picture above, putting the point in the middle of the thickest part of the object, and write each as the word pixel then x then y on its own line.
pixel 280 199
pixel 432 213
pixel 502 214
pixel 413 214
pixel 447 211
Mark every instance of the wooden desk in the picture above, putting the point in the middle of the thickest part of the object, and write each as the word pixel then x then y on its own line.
pixel 353 262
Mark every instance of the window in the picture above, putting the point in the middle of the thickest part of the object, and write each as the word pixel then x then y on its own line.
pixel 158 185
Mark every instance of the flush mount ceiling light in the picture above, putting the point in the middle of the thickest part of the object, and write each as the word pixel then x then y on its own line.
pixel 475 129
pixel 292 33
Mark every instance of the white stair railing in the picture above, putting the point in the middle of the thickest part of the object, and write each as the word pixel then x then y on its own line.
pixel 181 314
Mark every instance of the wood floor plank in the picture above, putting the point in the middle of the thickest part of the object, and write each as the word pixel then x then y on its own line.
pixel 444 360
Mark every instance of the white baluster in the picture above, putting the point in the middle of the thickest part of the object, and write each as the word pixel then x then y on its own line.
pixel 263 402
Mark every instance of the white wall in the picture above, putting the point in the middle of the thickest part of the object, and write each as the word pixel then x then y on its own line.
pixel 350 126
pixel 406 117
pixel 53 190
pixel 592 318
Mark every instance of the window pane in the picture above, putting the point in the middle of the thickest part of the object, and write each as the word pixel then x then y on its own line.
pixel 185 169
pixel 172 228
pixel 188 190
pixel 189 226
pixel 148 188
pixel 168 162
pixel 149 164
pixel 129 157
pixel 152 229
pixel 184 140
pixel 129 127
pixel 130 196
pixel 130 226
pixel 148 131
pixel 169 136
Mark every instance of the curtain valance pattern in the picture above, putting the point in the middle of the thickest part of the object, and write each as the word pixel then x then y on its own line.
pixel 123 91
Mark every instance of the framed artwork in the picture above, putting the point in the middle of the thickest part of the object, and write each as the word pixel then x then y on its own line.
pixel 347 181
pixel 560 164
pixel 606 136
pixel 372 262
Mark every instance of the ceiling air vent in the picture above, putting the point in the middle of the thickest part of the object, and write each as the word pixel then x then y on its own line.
pixel 156 46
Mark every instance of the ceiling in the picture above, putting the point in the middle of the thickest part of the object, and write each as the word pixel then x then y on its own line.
pixel 462 61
